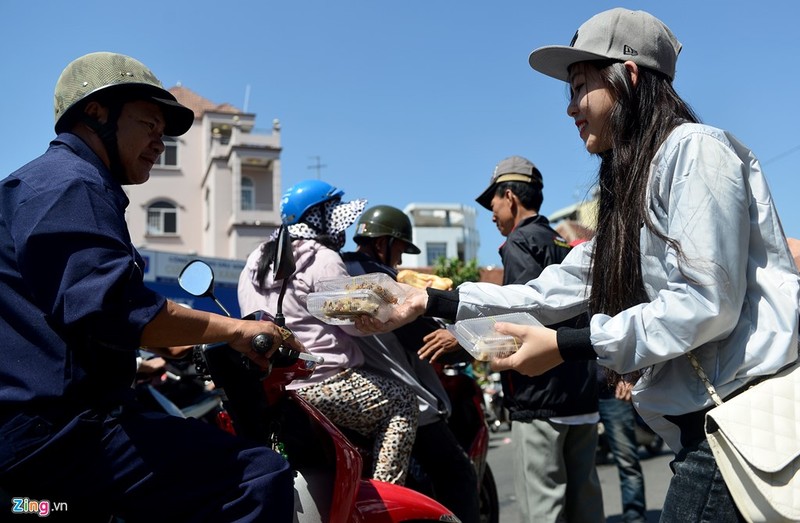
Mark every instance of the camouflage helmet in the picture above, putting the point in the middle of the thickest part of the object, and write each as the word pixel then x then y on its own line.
pixel 96 72
pixel 384 220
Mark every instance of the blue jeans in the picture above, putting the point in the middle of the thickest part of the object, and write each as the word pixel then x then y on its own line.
pixel 697 492
pixel 618 421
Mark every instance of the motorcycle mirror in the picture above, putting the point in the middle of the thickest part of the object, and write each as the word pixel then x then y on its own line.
pixel 284 264
pixel 197 278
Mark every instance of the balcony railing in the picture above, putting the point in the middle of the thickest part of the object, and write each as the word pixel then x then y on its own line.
pixel 241 139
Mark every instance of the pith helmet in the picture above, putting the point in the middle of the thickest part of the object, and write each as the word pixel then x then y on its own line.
pixel 384 220
pixel 96 72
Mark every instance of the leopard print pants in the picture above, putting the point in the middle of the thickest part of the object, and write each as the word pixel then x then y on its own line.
pixel 376 407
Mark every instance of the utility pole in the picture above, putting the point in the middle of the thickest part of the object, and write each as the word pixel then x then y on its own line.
pixel 317 165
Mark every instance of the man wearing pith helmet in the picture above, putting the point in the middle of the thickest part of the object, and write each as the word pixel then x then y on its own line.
pixel 387 232
pixel 383 234
pixel 75 311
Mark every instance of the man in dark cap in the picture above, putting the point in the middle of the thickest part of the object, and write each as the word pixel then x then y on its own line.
pixel 553 416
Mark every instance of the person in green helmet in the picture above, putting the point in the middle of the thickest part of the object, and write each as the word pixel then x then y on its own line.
pixel 75 312
pixel 383 235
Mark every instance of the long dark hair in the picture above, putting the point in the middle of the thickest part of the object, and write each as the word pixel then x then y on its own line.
pixel 641 119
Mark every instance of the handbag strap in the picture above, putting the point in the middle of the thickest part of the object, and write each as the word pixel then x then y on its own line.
pixel 704 377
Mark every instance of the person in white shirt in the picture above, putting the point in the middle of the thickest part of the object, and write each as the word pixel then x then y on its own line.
pixel 689 255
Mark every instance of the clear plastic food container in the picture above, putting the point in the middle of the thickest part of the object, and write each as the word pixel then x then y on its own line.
pixel 383 285
pixel 342 307
pixel 479 337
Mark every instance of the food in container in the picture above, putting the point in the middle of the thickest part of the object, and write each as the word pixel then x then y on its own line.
pixel 340 301
pixel 479 337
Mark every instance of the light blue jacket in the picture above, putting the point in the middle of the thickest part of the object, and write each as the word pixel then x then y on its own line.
pixel 737 309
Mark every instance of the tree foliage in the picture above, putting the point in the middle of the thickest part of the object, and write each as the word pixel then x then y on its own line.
pixel 457 270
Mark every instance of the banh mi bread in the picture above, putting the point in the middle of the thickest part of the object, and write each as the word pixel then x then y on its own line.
pixel 422 280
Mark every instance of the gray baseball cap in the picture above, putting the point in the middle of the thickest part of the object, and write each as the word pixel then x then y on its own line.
pixel 617 34
pixel 511 169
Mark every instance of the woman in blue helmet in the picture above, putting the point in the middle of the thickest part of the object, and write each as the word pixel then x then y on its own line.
pixel 350 397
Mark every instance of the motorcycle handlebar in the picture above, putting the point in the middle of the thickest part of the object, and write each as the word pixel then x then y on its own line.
pixel 261 343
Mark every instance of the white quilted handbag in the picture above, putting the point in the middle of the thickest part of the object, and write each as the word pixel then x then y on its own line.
pixel 755 438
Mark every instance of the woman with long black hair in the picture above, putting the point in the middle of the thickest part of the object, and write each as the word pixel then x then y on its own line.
pixel 689 255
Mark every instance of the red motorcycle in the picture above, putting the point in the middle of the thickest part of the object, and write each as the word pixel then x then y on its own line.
pixel 257 405
pixel 468 424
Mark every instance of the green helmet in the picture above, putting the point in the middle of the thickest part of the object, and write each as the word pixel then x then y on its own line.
pixel 383 220
pixel 96 72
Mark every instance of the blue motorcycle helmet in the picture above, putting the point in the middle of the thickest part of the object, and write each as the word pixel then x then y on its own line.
pixel 302 196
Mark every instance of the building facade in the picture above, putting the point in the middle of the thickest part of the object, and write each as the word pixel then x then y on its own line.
pixel 216 190
pixel 215 193
pixel 442 229
pixel 577 222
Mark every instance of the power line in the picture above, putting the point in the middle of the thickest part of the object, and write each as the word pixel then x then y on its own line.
pixel 782 155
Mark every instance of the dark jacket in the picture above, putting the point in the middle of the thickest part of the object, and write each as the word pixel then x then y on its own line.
pixel 531 246
pixel 71 284
pixel 570 388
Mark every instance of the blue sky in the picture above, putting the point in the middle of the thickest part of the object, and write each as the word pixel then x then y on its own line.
pixel 411 101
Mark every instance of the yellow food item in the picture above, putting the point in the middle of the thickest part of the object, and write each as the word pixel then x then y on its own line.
pixel 422 280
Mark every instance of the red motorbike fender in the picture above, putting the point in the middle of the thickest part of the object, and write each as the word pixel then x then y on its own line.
pixel 379 502
pixel 348 463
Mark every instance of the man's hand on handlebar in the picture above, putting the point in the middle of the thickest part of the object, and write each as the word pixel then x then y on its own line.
pixel 251 330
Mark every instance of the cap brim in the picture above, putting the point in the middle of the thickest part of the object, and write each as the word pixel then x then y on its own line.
pixel 485 199
pixel 178 118
pixel 554 60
